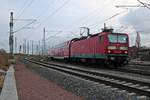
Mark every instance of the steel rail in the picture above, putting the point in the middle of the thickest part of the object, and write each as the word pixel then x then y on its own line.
pixel 119 82
pixel 100 73
pixel 134 71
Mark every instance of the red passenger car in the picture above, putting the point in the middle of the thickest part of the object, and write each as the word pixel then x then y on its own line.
pixel 106 46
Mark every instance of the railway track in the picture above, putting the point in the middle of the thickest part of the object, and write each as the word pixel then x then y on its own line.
pixel 131 68
pixel 131 85
pixel 126 69
pixel 135 71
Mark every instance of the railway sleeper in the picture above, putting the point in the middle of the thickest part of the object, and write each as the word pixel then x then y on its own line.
pixel 107 82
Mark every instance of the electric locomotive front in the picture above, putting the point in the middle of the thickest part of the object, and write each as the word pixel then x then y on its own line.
pixel 117 48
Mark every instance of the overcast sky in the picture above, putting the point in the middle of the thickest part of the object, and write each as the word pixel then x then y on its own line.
pixel 63 19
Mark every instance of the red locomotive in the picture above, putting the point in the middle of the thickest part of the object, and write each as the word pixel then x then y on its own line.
pixel 107 47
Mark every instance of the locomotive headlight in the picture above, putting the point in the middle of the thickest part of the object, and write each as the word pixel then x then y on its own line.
pixel 109 51
pixel 126 52
pixel 123 48
pixel 112 47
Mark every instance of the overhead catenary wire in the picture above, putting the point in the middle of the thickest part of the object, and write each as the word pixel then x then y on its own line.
pixel 53 35
pixel 85 19
pixel 131 6
pixel 23 19
pixel 53 13
pixel 26 5
pixel 105 20
pixel 20 13
pixel 22 7
pixel 93 12
pixel 146 5
pixel 101 11
pixel 23 10
pixel 24 26
pixel 35 18
pixel 50 15
pixel 47 9
pixel 142 4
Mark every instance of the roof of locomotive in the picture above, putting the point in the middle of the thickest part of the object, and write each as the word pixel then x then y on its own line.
pixel 85 37
pixel 97 34
pixel 104 32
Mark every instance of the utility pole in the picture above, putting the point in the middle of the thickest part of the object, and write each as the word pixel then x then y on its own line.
pixel 137 43
pixel 11 40
pixel 44 43
pixel 20 48
pixel 25 46
pixel 28 47
pixel 32 47
pixel 39 47
pixel 15 44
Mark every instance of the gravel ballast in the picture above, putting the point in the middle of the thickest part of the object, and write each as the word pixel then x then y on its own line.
pixel 85 88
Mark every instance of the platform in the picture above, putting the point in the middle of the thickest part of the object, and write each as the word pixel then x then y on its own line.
pixel 9 91
pixel 24 84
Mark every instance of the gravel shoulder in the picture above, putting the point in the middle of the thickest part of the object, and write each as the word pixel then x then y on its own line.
pixel 84 88
pixel 31 86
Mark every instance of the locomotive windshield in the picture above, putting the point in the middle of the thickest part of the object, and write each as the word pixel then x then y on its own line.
pixel 113 38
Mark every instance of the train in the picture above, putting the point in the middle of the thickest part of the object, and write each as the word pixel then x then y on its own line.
pixel 106 46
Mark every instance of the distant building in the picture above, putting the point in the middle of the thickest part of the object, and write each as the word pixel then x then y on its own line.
pixel 133 52
pixel 143 53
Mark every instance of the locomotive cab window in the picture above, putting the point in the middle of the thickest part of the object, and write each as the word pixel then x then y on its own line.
pixel 112 38
pixel 122 39
pixel 115 38
pixel 100 39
